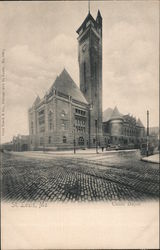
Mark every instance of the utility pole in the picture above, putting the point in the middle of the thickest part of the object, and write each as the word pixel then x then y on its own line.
pixel 96 136
pixel 44 142
pixel 89 130
pixel 88 6
pixel 74 141
pixel 147 133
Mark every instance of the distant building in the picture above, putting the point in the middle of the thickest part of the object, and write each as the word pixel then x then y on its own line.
pixel 20 143
pixel 124 130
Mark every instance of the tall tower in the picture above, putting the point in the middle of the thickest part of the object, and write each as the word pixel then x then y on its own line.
pixel 90 70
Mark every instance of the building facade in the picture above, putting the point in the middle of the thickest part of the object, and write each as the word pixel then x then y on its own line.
pixel 67 116
pixel 123 130
pixel 60 119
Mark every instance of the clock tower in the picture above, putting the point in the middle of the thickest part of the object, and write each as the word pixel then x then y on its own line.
pixel 90 71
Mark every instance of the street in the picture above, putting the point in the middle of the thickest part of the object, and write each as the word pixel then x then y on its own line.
pixel 84 177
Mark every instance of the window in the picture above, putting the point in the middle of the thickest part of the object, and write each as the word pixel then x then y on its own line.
pixel 49 139
pixel 81 141
pixel 64 139
pixel 81 112
pixel 64 125
pixel 41 112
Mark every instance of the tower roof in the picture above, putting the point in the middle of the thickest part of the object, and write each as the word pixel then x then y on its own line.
pixel 37 100
pixel 110 114
pixel 99 18
pixel 99 14
pixel 65 84
pixel 107 114
pixel 139 123
pixel 116 114
pixel 83 25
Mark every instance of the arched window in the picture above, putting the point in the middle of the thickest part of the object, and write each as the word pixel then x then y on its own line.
pixel 64 139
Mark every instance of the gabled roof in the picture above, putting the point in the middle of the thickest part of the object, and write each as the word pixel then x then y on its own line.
pixel 116 114
pixel 65 84
pixel 139 123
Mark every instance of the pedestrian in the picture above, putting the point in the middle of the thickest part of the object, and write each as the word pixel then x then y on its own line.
pixel 102 148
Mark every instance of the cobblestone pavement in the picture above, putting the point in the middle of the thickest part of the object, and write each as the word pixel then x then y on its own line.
pixel 89 178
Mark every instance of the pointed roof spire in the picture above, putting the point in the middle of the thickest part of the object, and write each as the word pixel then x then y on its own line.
pixel 139 123
pixel 89 6
pixel 99 18
pixel 99 14
pixel 116 114
pixel 37 100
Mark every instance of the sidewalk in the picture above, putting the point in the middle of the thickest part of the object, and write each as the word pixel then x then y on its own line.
pixel 70 152
pixel 152 158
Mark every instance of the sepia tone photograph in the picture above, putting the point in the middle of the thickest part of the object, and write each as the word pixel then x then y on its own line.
pixel 79 141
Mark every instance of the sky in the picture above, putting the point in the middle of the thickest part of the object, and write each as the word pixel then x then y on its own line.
pixel 40 40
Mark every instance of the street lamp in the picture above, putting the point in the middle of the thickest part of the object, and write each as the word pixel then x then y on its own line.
pixel 147 133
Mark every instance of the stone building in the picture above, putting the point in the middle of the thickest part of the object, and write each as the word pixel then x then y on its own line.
pixel 124 130
pixel 68 116
pixel 60 117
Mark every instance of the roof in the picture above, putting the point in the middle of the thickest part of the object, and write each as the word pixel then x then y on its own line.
pixel 139 123
pixel 116 114
pixel 88 17
pixel 107 114
pixel 65 84
pixel 110 114
pixel 37 100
